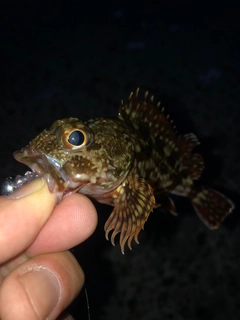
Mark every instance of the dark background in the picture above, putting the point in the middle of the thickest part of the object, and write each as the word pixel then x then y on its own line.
pixel 79 59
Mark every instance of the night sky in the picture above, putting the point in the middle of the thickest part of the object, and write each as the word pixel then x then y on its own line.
pixel 79 59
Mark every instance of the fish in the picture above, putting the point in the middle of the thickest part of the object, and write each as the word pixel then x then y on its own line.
pixel 133 162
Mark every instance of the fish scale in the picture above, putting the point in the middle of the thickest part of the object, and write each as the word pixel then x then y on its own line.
pixel 132 162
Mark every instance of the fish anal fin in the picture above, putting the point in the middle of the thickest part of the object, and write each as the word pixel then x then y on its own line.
pixel 170 206
pixel 134 200
pixel 167 203
pixel 211 206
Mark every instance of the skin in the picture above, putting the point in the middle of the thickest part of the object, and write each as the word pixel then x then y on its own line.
pixel 39 277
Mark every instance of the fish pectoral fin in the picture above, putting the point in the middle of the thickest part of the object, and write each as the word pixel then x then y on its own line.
pixel 134 200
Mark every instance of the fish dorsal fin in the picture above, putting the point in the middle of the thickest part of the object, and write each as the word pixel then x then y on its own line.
pixel 194 162
pixel 145 112
pixel 188 142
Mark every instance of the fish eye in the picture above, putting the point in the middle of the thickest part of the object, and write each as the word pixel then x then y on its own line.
pixel 75 138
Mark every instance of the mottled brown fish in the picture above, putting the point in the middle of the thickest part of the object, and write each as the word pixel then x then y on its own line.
pixel 133 162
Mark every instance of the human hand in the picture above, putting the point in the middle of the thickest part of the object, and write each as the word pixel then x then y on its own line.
pixel 39 278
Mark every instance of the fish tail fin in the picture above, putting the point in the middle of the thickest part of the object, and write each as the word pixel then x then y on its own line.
pixel 211 206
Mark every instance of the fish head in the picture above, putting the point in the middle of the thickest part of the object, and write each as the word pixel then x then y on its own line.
pixel 74 156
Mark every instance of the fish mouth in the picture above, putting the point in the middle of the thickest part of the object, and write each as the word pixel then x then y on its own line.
pixel 48 168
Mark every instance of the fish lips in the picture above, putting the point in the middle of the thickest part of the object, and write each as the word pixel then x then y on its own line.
pixel 47 167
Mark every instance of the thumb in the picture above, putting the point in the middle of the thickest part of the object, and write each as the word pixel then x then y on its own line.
pixel 22 215
pixel 41 288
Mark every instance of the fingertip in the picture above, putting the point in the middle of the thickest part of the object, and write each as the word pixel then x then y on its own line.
pixel 72 221
pixel 83 209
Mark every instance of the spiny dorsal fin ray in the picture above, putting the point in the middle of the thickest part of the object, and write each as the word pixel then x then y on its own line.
pixel 145 112
pixel 145 115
